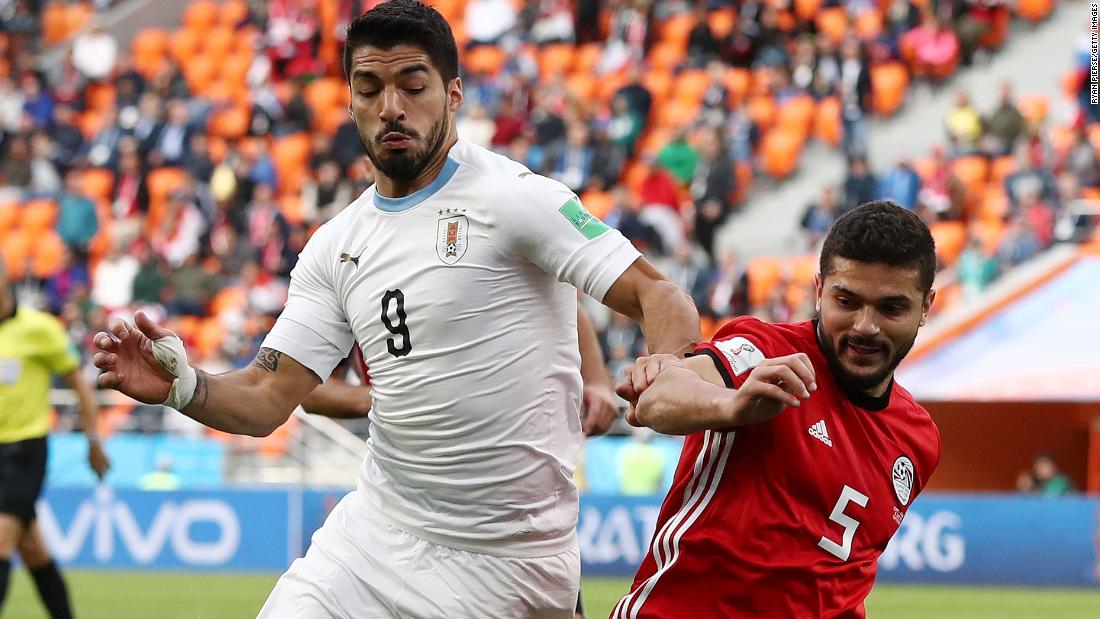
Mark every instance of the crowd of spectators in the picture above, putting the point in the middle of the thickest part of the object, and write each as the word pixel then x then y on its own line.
pixel 154 197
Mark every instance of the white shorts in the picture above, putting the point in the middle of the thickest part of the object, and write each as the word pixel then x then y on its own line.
pixel 359 567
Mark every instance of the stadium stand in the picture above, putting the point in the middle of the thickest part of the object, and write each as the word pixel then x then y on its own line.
pixel 186 170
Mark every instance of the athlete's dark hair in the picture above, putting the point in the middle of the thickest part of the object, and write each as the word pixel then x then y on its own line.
pixel 883 232
pixel 408 22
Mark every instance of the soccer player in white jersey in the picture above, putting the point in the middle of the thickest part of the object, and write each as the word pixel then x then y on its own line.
pixel 455 274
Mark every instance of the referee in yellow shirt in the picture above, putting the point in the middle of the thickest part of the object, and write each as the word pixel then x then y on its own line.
pixel 34 346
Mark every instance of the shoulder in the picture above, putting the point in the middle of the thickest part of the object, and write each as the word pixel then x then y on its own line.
pixel 775 339
pixel 39 324
pixel 506 181
pixel 925 432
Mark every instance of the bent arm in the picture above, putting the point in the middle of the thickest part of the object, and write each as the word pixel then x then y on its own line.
pixel 688 397
pixel 338 399
pixel 255 400
pixel 666 314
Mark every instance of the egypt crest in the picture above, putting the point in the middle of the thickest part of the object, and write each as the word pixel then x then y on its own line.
pixel 902 474
pixel 451 238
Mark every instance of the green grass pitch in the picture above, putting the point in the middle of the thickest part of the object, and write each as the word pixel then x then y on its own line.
pixel 174 595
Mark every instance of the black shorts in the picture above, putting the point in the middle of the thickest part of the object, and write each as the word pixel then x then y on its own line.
pixel 22 472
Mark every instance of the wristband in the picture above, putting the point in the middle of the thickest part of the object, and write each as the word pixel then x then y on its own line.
pixel 170 353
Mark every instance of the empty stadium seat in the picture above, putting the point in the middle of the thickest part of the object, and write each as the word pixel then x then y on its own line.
pixel 889 84
pixel 950 238
pixel 764 273
pixel 200 16
pixel 781 149
pixel 827 123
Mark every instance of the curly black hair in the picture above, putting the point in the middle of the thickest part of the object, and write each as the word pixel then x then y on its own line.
pixel 409 22
pixel 882 232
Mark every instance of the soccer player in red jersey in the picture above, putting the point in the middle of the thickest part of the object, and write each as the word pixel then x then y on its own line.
pixel 802 454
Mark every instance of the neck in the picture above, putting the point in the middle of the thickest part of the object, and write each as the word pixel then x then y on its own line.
pixel 879 390
pixel 392 188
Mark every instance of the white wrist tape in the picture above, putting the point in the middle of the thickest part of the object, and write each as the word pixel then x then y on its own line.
pixel 170 353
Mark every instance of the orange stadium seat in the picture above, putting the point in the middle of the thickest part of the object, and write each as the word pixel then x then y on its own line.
pixel 832 23
pixel 742 171
pixel 656 139
pixel 163 181
pixel 950 238
pixel 233 13
pixel 634 174
pixel 889 83
pixel 219 42
pixel 183 45
pixel 781 150
pixel 762 111
pixel 597 203
pixel 1034 108
pixel 233 67
pixel 9 215
pixel 607 86
pixel 721 21
pixel 690 86
pixel 738 81
pixel 328 121
pixel 291 205
pixel 796 115
pixel 827 125
pixel 806 9
pixel 149 42
pixel 324 93
pixel 1034 10
pixel 200 71
pixel 582 85
pixel 665 56
pixel 99 95
pixel 972 171
pixel 245 40
pixel 48 251
pixel 53 23
pixel 39 216
pixel 1002 167
pixel 586 57
pixel 200 16
pixel 677 113
pixel 658 83
pixel 869 24
pixel 484 59
pixel 990 233
pixel 231 123
pixel 994 205
pixel 97 183
pixel 16 249
pixel 764 274
pixel 555 60
pixel 676 29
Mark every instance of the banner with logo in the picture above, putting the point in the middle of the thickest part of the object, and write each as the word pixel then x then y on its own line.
pixel 945 538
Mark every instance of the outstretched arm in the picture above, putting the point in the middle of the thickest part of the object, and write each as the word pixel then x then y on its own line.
pixel 338 399
pixel 254 400
pixel 690 396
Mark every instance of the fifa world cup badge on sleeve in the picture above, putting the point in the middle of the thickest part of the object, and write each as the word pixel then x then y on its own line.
pixel 742 354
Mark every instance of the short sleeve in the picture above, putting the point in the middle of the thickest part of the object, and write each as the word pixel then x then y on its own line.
pixel 736 349
pixel 313 329
pixel 546 223
pixel 56 350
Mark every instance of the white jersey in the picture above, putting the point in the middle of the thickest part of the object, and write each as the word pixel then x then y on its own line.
pixel 461 297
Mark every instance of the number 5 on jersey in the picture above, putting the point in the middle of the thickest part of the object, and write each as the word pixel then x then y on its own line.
pixel 843 549
pixel 397 329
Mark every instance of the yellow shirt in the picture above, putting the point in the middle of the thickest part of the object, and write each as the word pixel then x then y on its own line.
pixel 33 345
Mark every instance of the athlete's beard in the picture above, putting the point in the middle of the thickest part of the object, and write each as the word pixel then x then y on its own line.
pixel 405 166
pixel 858 382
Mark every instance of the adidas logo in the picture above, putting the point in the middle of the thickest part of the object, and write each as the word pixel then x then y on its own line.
pixel 821 433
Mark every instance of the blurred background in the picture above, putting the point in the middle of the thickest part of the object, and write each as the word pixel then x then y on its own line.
pixel 175 157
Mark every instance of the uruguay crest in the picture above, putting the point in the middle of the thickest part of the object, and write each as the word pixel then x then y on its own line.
pixel 451 238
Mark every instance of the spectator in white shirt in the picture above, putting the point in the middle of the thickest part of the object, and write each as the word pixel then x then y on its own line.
pixel 113 279
pixel 95 53
pixel 489 20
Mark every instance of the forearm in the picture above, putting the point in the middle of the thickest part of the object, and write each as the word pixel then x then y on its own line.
pixel 87 408
pixel 238 402
pixel 593 368
pixel 338 400
pixel 679 402
pixel 668 319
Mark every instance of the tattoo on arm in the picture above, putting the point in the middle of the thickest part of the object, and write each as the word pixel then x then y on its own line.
pixel 202 391
pixel 268 359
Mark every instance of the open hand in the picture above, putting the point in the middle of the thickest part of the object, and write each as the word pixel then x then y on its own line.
pixel 126 358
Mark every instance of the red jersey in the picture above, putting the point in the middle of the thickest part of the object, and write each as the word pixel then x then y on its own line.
pixel 785 518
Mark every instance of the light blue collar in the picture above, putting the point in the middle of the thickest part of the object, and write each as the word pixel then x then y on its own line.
pixel 397 205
